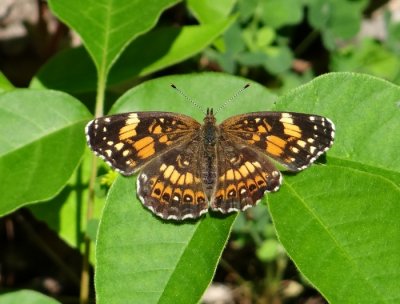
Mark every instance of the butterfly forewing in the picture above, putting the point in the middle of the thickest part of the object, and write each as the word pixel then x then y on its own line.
pixel 127 141
pixel 293 139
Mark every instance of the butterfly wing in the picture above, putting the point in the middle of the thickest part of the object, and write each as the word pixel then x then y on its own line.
pixel 127 141
pixel 243 176
pixel 171 184
pixel 293 139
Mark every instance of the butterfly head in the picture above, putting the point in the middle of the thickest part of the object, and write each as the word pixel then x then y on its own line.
pixel 210 117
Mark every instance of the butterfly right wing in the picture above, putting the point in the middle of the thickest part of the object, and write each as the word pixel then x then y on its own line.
pixel 127 141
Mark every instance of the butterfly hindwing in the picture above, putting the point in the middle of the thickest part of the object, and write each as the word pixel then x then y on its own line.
pixel 171 185
pixel 243 176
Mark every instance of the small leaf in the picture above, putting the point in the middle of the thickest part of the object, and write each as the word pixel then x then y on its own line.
pixel 277 13
pixel 42 142
pixel 5 84
pixel 210 11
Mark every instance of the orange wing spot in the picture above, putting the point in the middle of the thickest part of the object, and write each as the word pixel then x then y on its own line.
pixel 243 171
pixel 166 195
pixel 260 180
pixel 256 137
pixel 174 177
pixel 261 129
pixel 157 190
pixel 230 174
pixel 275 145
pixel 200 197
pixel 145 141
pixel 127 131
pixel 220 194
pixel 292 130
pixel 164 139
pixel 168 171
pixel 267 125
pixel 189 178
pixel 163 167
pixel 250 167
pixel 157 130
pixel 251 185
pixel 181 180
pixel 231 190
pixel 147 151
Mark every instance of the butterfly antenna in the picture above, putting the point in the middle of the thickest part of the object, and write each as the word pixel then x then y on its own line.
pixel 232 98
pixel 189 99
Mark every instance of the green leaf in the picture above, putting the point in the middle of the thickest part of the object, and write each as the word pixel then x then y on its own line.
pixel 207 89
pixel 336 18
pixel 278 13
pixel 278 60
pixel 163 47
pixel 140 258
pixel 5 84
pixel 341 227
pixel 66 213
pixel 369 57
pixel 339 223
pixel 42 142
pixel 210 11
pixel 107 27
pixel 26 297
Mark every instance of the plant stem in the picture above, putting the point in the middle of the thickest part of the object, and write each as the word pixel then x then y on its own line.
pixel 85 275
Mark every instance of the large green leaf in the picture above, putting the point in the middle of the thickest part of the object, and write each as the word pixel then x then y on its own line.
pixel 163 47
pixel 66 213
pixel 140 258
pixel 106 27
pixel 340 223
pixel 26 297
pixel 42 141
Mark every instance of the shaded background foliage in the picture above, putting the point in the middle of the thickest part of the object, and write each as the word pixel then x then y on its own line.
pixel 280 44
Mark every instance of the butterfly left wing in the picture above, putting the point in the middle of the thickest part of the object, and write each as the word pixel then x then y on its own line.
pixel 243 176
pixel 293 139
pixel 171 184
pixel 127 141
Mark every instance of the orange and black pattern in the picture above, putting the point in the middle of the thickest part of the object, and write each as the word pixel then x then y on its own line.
pixel 186 167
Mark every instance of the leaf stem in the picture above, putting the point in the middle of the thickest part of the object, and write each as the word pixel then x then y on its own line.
pixel 85 275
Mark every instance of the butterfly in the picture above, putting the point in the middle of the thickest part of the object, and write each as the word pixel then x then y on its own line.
pixel 185 167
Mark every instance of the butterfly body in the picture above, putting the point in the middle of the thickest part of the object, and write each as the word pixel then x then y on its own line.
pixel 186 167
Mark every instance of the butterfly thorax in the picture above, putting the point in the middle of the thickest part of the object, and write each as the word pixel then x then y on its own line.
pixel 210 136
pixel 209 129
